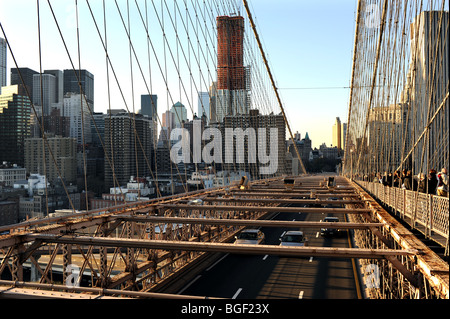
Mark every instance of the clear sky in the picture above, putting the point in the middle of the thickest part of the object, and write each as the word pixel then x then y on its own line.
pixel 308 43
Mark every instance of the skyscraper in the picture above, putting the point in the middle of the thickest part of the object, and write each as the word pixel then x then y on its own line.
pixel 44 96
pixel 149 105
pixel 15 110
pixel 128 155
pixel 180 114
pixel 337 134
pixel 232 89
pixel 27 75
pixel 59 85
pixel 87 84
pixel 3 52
pixel 230 53
pixel 257 123
pixel 203 105
pixel 80 118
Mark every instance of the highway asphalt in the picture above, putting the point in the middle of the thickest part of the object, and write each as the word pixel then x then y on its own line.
pixel 262 276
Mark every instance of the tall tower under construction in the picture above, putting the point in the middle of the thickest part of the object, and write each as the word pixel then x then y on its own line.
pixel 232 90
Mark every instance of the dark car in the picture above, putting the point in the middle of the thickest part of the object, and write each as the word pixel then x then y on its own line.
pixel 328 231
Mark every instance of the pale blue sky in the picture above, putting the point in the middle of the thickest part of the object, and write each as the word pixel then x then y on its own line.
pixel 309 45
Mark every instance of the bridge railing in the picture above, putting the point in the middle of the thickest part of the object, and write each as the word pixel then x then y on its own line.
pixel 429 211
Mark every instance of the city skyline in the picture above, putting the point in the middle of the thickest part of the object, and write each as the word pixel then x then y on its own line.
pixel 292 67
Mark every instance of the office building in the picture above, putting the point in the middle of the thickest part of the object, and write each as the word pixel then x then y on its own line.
pixel 59 85
pixel 203 105
pixel 77 110
pixel 25 74
pixel 64 150
pixel 9 174
pixel 55 124
pixel 44 93
pixel 337 134
pixel 149 105
pixel 180 114
pixel 251 157
pixel 72 85
pixel 130 155
pixel 233 82
pixel 230 53
pixel 15 111
pixel 3 66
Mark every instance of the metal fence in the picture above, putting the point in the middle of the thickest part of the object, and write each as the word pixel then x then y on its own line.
pixel 429 211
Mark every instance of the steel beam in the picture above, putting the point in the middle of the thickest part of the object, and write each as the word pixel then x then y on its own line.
pixel 245 222
pixel 277 209
pixel 17 289
pixel 222 247
pixel 281 201
pixel 318 190
pixel 288 194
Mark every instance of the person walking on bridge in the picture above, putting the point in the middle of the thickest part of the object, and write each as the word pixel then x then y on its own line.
pixel 442 188
pixel 408 181
pixel 432 182
pixel 422 188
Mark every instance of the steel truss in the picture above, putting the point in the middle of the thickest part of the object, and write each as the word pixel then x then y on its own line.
pixel 134 252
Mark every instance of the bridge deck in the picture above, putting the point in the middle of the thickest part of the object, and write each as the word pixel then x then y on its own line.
pixel 147 245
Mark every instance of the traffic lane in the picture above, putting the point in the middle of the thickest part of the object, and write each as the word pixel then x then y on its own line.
pixel 334 278
pixel 240 276
pixel 273 234
pixel 313 278
pixel 292 277
pixel 234 276
pixel 289 279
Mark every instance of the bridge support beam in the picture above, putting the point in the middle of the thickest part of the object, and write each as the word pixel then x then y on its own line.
pixel 433 268
pixel 277 209
pixel 231 248
pixel 245 222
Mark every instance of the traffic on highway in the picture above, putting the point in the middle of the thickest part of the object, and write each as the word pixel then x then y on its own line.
pixel 237 276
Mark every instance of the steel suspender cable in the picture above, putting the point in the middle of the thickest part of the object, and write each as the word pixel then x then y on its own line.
pixel 273 83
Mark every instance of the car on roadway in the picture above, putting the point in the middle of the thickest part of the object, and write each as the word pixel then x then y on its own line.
pixel 293 238
pixel 250 237
pixel 329 231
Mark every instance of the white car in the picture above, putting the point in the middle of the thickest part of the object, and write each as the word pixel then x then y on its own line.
pixel 250 237
pixel 293 238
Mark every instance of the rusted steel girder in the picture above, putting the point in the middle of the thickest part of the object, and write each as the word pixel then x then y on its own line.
pixel 15 289
pixel 278 209
pixel 434 269
pixel 221 247
pixel 289 194
pixel 281 201
pixel 244 222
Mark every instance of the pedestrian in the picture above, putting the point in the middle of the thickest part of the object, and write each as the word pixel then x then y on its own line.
pixel 408 181
pixel 442 188
pixel 432 182
pixel 387 179
pixel 404 171
pixel 379 178
pixel 397 179
pixel 422 188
